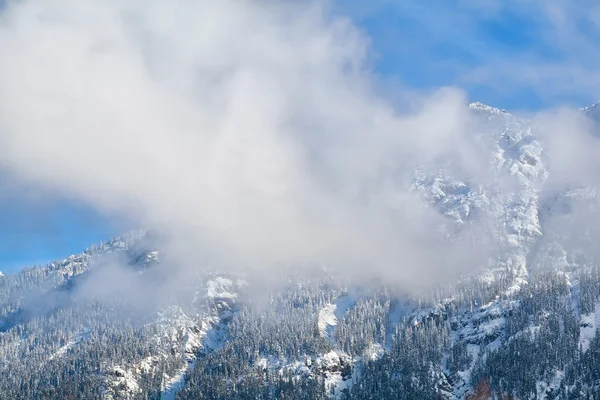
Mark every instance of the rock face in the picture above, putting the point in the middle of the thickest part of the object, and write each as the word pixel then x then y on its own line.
pixel 481 392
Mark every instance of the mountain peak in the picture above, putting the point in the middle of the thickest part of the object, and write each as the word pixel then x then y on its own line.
pixel 591 108
pixel 477 106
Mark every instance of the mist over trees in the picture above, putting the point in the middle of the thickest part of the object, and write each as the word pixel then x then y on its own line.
pixel 56 345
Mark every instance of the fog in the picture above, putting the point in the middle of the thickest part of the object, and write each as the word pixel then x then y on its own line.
pixel 253 134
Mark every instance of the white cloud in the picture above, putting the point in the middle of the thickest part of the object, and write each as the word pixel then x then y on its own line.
pixel 249 132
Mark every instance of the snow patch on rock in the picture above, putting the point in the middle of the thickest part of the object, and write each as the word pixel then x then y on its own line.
pixel 62 350
pixel 327 321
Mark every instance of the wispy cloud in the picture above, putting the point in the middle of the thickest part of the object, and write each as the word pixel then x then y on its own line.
pixel 514 54
pixel 250 132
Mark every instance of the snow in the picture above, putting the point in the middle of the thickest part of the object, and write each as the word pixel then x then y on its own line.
pixel 513 219
pixel 208 335
pixel 152 256
pixel 483 108
pixel 126 380
pixel 281 365
pixel 332 313
pixel 473 350
pixel 331 359
pixel 209 338
pixel 481 330
pixel 327 320
pixel 174 384
pixel 122 382
pixel 184 334
pixel 329 365
pixel 334 379
pixel 61 351
pixel 220 288
pixel 343 304
pixel 588 326
pixel 374 352
pixel 543 388
pixel 192 341
pixel 493 328
pixel 399 309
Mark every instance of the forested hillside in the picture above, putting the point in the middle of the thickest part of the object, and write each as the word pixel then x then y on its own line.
pixel 97 325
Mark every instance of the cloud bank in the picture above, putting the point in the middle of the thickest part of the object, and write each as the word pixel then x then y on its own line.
pixel 249 132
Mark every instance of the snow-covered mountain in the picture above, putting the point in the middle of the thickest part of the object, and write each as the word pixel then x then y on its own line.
pixel 522 326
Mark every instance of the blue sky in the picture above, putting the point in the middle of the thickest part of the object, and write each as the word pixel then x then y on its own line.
pixel 36 227
pixel 519 55
pixel 34 235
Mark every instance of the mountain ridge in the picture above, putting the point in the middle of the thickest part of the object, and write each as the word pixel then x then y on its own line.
pixel 524 325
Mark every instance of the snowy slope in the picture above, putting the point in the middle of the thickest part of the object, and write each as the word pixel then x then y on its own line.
pixel 533 234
